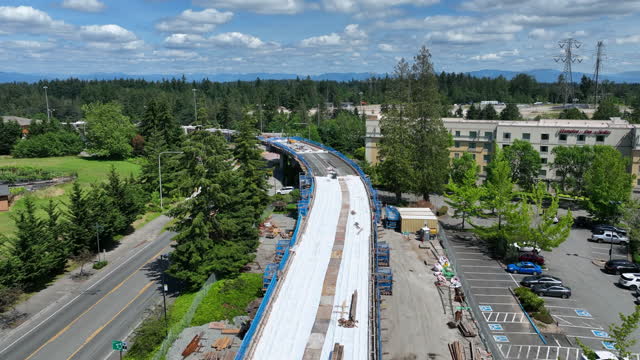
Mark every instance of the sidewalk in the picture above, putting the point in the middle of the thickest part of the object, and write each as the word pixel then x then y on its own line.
pixel 65 287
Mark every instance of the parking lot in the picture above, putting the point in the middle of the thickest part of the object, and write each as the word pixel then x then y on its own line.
pixel 594 293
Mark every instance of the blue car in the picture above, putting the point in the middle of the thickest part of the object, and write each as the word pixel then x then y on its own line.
pixel 524 267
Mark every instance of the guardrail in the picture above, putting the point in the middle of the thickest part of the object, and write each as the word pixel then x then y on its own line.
pixel 375 203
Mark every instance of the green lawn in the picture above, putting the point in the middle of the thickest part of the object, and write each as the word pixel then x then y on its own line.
pixel 89 172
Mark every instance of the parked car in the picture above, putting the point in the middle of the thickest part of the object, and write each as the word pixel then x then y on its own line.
pixel 620 266
pixel 526 248
pixel 532 257
pixel 630 280
pixel 552 290
pixel 609 237
pixel 524 267
pixel 285 190
pixel 603 355
pixel 600 228
pixel 529 281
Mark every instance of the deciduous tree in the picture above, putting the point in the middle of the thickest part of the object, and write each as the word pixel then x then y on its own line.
pixel 524 162
pixel 465 197
pixel 109 132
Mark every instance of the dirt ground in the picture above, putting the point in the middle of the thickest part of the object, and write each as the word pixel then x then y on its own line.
pixel 267 248
pixel 414 325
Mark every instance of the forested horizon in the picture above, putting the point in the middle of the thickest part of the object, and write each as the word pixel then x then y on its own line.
pixel 224 103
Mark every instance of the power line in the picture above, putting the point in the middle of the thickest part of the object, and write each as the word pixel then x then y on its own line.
pixel 568 58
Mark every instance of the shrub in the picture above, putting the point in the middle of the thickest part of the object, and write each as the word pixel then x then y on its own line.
pixel 530 301
pixel 147 336
pixel 295 195
pixel 50 144
pixel 544 316
pixel 228 298
pixel 636 258
pixel 442 211
pixel 100 264
pixel 18 190
pixel 13 174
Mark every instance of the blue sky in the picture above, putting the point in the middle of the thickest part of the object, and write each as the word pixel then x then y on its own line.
pixel 309 36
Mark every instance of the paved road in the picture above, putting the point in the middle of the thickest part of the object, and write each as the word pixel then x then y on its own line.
pixel 319 163
pixel 105 310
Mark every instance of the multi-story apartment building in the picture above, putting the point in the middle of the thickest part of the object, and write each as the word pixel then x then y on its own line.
pixel 479 137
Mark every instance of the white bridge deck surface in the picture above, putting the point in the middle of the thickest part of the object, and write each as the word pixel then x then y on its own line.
pixel 289 321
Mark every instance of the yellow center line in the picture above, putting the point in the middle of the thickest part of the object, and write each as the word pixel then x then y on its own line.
pixel 53 338
pixel 95 333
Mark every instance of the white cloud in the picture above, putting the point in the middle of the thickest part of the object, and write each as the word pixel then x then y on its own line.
pixel 26 19
pixel 257 6
pixel 352 36
pixel 332 39
pixel 84 5
pixel 27 45
pixel 575 8
pixel 174 53
pixel 106 33
pixel 178 41
pixel 461 38
pixel 487 57
pixel 190 21
pixel 431 22
pixel 631 39
pixel 236 39
pixel 352 6
pixel 386 47
pixel 542 34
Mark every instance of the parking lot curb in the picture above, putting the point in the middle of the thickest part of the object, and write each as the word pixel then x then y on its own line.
pixel 544 341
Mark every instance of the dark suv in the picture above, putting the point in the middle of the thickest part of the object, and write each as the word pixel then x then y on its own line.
pixel 620 266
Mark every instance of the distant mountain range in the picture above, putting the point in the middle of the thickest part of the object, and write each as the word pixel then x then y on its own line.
pixel 541 75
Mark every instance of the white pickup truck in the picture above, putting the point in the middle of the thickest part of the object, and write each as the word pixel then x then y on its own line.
pixel 610 237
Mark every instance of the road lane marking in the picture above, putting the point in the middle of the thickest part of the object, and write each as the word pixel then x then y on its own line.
pixel 53 338
pixel 74 299
pixel 95 333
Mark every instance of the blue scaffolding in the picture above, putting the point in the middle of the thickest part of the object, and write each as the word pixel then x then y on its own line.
pixel 269 273
pixel 384 278
pixel 383 254
pixel 281 248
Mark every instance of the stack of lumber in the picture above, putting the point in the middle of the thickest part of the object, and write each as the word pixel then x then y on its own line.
pixel 222 343
pixel 457 351
pixel 466 328
pixel 337 352
pixel 231 331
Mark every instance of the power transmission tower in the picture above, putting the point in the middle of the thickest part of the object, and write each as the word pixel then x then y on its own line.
pixel 598 68
pixel 567 59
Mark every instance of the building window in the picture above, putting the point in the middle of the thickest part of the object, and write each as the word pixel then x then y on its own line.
pixel 559 173
pixel 487 146
pixel 456 144
pixel 505 146
pixel 581 138
pixel 474 156
pixel 543 172
pixel 506 136
pixel 544 137
pixel 457 132
pixel 526 136
pixel 563 138
pixel 488 135
pixel 456 155
pixel 487 158
pixel 638 181
pixel 472 145
pixel 473 134
pixel 544 149
pixel 600 138
pixel 543 160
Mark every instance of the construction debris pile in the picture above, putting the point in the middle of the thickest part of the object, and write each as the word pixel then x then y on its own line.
pixel 217 340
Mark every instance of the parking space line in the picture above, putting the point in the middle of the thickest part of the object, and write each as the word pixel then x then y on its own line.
pixel 492 295
pixel 508 351
pixel 573 317
pixel 491 280
pixel 528 350
pixel 589 337
pixel 495 303
pixel 548 349
pixel 538 352
pixel 584 327
pixel 488 287
pixel 489 266
pixel 561 307
pixel 487 273
pixel 514 280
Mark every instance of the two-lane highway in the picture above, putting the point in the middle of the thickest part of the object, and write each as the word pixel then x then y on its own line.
pixel 107 309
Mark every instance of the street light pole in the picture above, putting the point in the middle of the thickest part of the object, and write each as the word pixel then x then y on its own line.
pixel 164 292
pixel 195 105
pixel 46 97
pixel 160 172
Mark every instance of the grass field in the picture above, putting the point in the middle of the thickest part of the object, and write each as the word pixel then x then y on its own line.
pixel 88 171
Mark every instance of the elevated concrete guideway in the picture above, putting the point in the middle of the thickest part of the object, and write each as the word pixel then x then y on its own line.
pixel 323 297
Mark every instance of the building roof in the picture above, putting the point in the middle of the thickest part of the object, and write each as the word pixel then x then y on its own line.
pixel 613 123
pixel 4 190
pixel 416 213
pixel 20 120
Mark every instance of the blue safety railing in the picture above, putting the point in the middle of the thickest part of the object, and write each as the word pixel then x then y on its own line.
pixel 303 208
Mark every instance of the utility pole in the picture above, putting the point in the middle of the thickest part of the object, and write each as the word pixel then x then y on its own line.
pixel 195 106
pixel 318 116
pixel 165 260
pixel 160 172
pixel 567 59
pixel 98 228
pixel 260 114
pixel 46 97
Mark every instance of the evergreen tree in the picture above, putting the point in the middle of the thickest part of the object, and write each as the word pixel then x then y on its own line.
pixel 473 113
pixel 606 110
pixel 29 248
pixel 10 133
pixel 510 112
pixel 489 113
pixel 572 113
pixel 252 165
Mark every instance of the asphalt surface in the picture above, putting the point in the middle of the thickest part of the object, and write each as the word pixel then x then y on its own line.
pixel 106 309
pixel 595 303
pixel 320 161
